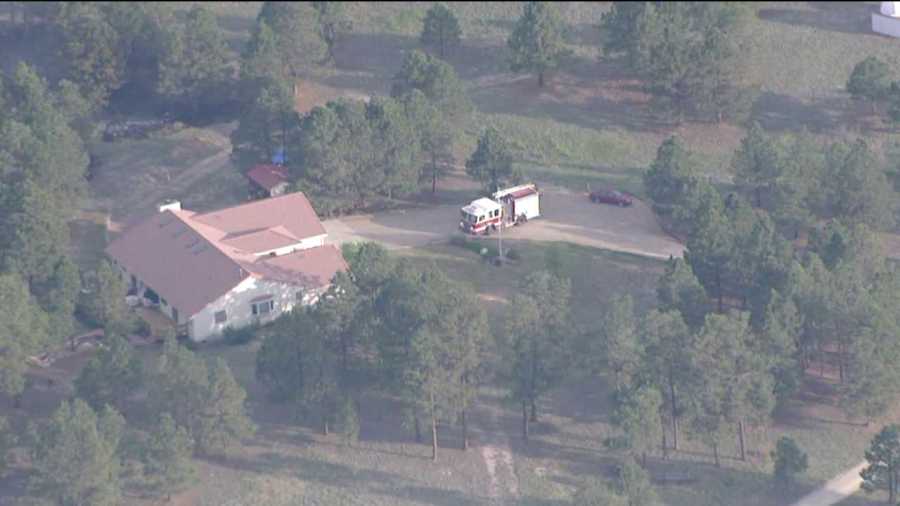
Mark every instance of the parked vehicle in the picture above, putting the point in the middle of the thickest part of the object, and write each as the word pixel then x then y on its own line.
pixel 611 197
pixel 512 206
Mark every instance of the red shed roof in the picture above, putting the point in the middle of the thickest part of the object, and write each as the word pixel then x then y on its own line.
pixel 268 176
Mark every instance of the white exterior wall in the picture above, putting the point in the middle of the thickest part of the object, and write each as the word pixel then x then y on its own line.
pixel 885 25
pixel 309 242
pixel 237 306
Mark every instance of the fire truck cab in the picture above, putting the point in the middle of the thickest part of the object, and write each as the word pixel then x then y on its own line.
pixel 508 207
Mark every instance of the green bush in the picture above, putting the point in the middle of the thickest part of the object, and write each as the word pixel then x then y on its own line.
pixel 141 327
pixel 238 336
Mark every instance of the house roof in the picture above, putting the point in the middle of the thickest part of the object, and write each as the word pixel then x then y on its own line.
pixel 309 268
pixel 193 259
pixel 291 211
pixel 261 240
pixel 268 176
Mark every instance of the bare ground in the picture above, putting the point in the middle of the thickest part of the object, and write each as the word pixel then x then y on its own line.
pixel 566 216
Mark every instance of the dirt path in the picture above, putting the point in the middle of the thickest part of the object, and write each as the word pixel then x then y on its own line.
pixel 498 459
pixel 566 216
pixel 835 490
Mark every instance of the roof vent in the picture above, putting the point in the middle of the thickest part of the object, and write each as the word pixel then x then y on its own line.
pixel 170 205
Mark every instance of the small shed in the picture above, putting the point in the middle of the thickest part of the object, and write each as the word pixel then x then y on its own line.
pixel 271 180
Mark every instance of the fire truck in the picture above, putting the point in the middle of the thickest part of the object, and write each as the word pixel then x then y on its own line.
pixel 505 208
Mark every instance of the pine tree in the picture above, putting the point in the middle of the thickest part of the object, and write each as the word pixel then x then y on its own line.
pixel 638 415
pixel 108 306
pixel 194 69
pixel 111 375
pixel 23 333
pixel 441 29
pixel 668 362
pixel 756 165
pixel 221 419
pixel 296 29
pixel 332 22
pixel 678 289
pixel 537 332
pixel 436 79
pixel 74 455
pixel 634 484
pixel 870 80
pixel 536 43
pixel 789 462
pixel 167 456
pixel 883 457
pixel 710 246
pixel 7 441
pixel 622 345
pixel 93 52
pixel 668 176
pixel 491 163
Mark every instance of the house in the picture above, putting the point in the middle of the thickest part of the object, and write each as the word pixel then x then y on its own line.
pixel 230 267
pixel 270 180
pixel 886 20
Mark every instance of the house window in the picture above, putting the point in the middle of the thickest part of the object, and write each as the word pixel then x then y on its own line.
pixel 264 307
pixel 220 316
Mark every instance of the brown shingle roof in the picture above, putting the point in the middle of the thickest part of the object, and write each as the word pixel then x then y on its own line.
pixel 261 240
pixel 268 176
pixel 193 259
pixel 179 263
pixel 310 268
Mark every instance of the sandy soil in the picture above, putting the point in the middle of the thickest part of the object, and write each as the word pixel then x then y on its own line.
pixel 835 490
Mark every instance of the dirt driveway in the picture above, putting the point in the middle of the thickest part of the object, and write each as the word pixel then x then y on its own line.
pixel 566 216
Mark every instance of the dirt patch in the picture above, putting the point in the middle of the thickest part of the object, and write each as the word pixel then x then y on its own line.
pixel 309 95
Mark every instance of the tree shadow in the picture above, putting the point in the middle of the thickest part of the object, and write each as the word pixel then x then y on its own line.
pixel 377 54
pixel 779 113
pixel 844 17
pixel 583 92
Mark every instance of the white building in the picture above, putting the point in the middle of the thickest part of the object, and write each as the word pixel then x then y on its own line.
pixel 887 20
pixel 230 267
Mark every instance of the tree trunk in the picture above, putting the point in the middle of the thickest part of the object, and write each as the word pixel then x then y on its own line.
pixel 892 484
pixel 674 415
pixel 433 173
pixel 741 438
pixel 434 442
pixel 716 454
pixel 325 426
pixel 418 430
pixel 758 197
pixel 465 431
pixel 524 420
pixel 644 460
pixel 719 288
pixel 17 401
pixel 665 446
pixel 540 79
pixel 533 410
pixel 442 47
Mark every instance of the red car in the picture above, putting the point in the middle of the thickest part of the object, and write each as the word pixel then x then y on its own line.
pixel 611 197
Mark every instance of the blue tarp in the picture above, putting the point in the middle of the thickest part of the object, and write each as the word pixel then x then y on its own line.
pixel 279 157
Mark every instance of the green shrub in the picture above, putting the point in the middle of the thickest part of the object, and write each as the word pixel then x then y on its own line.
pixel 238 336
pixel 141 327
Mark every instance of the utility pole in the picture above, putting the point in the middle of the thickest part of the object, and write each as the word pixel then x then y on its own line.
pixel 500 234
